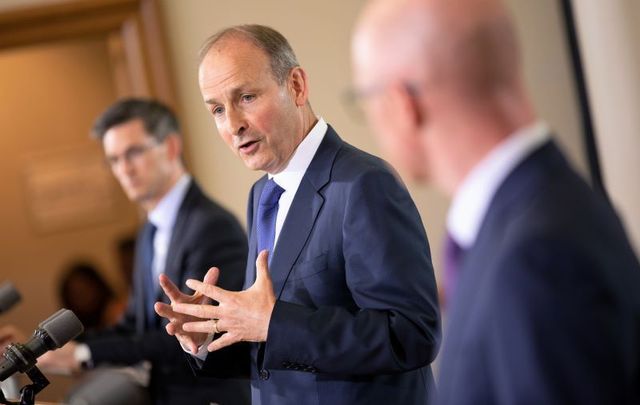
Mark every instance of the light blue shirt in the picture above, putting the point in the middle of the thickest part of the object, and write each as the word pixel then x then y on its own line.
pixel 163 216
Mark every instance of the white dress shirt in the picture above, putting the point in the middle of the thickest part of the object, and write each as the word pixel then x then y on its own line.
pixel 471 202
pixel 291 176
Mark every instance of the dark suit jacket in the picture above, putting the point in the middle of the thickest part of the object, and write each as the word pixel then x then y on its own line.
pixel 547 310
pixel 356 319
pixel 204 235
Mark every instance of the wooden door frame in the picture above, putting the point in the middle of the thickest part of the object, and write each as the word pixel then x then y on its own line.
pixel 131 28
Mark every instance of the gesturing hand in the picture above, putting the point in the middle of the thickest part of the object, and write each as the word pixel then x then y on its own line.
pixel 189 339
pixel 244 315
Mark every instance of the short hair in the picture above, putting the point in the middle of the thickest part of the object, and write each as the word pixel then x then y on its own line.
pixel 159 120
pixel 281 56
pixel 87 271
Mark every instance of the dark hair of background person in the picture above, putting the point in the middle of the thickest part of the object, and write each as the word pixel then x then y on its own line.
pixel 85 292
pixel 275 45
pixel 158 119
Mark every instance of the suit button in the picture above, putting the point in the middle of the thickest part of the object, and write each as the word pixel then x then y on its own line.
pixel 264 374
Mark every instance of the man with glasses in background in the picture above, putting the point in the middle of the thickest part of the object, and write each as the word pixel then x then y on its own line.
pixel 184 234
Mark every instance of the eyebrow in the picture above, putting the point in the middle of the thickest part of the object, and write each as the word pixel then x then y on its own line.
pixel 234 92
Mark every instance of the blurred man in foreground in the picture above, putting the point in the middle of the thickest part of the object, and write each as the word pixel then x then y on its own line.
pixel 544 284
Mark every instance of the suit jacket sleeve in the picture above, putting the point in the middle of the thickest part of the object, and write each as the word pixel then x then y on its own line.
pixel 394 325
pixel 211 240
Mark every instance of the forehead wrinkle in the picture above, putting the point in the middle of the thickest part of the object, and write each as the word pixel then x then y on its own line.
pixel 231 82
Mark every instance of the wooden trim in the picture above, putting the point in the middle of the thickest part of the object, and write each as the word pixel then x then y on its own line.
pixel 131 29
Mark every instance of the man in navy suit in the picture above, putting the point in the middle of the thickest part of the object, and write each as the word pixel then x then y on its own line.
pixel 341 306
pixel 143 146
pixel 545 305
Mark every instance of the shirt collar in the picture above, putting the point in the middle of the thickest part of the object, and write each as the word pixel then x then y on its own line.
pixel 164 214
pixel 471 202
pixel 292 175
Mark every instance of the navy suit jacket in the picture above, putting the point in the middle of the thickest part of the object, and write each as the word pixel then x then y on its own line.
pixel 356 319
pixel 547 309
pixel 204 235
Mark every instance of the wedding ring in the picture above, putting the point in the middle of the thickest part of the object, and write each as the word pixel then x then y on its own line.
pixel 215 326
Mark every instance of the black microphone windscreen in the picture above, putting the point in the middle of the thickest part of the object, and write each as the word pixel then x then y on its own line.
pixel 62 326
pixel 9 296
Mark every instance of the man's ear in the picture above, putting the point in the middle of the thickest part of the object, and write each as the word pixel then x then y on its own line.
pixel 174 146
pixel 403 104
pixel 298 86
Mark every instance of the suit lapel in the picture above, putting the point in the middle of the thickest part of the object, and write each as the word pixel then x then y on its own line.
pixel 295 232
pixel 138 288
pixel 252 209
pixel 303 211
pixel 173 269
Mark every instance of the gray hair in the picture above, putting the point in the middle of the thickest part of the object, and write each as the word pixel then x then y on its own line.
pixel 274 44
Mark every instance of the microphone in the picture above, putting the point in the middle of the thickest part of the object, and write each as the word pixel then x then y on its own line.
pixel 9 296
pixel 51 334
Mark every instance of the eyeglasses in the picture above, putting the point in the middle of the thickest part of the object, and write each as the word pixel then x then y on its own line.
pixel 355 99
pixel 132 155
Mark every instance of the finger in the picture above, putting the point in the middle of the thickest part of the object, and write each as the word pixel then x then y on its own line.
pixel 165 310
pixel 262 267
pixel 211 277
pixel 199 311
pixel 171 329
pixel 188 342
pixel 214 292
pixel 223 341
pixel 170 289
pixel 201 327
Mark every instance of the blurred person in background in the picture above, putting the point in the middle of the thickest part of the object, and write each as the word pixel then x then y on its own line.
pixel 543 283
pixel 84 291
pixel 184 234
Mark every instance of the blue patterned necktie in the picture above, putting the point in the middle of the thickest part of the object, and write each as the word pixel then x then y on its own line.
pixel 267 212
pixel 150 290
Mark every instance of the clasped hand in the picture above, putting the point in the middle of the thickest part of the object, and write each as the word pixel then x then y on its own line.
pixel 239 316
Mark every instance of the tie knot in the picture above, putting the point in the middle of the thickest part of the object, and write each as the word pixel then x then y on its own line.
pixel 270 194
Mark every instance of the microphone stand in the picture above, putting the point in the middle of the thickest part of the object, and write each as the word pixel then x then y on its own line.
pixel 28 392
pixel 27 362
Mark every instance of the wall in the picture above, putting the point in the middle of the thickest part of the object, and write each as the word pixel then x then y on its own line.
pixel 609 35
pixel 320 34
pixel 50 94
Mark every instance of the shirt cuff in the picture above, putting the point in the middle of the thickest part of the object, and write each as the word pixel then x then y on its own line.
pixel 82 354
pixel 202 350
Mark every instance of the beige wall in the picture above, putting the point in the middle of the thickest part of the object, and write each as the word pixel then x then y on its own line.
pixel 319 33
pixel 609 33
pixel 50 94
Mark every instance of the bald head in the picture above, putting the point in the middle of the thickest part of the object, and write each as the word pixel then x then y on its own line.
pixel 469 46
pixel 448 81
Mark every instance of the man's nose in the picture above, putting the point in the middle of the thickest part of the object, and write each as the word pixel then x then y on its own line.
pixel 236 121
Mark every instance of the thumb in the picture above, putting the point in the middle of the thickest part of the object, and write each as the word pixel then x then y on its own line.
pixel 212 276
pixel 262 267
